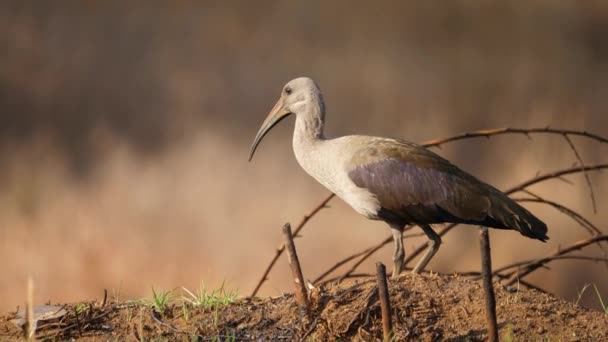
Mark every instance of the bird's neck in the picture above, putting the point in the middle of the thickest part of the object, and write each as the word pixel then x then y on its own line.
pixel 309 125
pixel 308 138
pixel 308 145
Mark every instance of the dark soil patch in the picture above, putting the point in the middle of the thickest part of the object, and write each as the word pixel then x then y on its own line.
pixel 425 308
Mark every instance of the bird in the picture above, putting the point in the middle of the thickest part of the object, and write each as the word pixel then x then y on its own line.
pixel 392 180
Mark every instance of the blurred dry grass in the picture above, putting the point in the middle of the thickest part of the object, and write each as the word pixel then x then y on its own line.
pixel 126 128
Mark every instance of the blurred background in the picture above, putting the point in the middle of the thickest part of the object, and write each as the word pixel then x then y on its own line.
pixel 125 129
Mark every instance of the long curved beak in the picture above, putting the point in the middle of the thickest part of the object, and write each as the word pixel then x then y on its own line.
pixel 277 114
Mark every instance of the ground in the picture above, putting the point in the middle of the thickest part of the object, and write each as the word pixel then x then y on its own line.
pixel 425 308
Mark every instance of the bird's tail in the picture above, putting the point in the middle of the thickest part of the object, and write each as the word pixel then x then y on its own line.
pixel 512 215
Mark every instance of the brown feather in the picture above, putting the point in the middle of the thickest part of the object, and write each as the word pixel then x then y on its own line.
pixel 415 185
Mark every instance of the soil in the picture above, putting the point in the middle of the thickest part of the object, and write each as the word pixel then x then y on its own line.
pixel 424 308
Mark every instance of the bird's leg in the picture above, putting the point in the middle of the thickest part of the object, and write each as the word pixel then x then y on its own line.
pixel 399 253
pixel 434 243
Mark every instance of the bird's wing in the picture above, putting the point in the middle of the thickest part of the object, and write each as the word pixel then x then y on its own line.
pixel 417 185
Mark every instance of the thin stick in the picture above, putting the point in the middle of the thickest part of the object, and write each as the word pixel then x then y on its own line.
pixel 281 248
pixel 498 131
pixel 311 328
pixel 587 179
pixel 55 334
pixel 342 262
pixel 527 263
pixel 555 174
pixel 541 262
pixel 385 303
pixel 576 216
pixel 477 276
pixel 370 251
pixel 363 253
pixel 105 298
pixel 30 323
pixel 364 257
pixel 342 277
pixel 296 270
pixel 486 272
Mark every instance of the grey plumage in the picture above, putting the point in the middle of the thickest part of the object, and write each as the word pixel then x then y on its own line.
pixel 416 186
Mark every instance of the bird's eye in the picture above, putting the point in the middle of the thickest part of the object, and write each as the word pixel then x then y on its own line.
pixel 287 90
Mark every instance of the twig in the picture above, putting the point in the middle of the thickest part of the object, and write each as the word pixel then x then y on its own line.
pixel 364 257
pixel 342 277
pixel 541 262
pixel 507 130
pixel 370 251
pixel 582 163
pixel 576 216
pixel 555 174
pixel 53 335
pixel 486 272
pixel 29 329
pixel 281 248
pixel 366 253
pixel 385 302
pixel 311 328
pixel 527 263
pixel 342 262
pixel 105 298
pixel 296 270
pixel 156 317
pixel 477 275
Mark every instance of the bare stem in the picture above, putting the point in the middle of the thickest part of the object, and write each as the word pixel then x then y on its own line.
pixel 486 272
pixel 486 133
pixel 385 303
pixel 281 248
pixel 541 262
pixel 296 270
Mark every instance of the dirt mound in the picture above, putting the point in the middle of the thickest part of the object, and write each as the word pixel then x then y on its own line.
pixel 427 307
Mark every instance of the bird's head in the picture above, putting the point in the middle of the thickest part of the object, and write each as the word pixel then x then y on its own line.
pixel 297 96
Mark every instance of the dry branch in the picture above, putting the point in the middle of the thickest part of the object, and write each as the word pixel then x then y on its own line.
pixel 385 302
pixel 346 260
pixel 488 288
pixel 364 254
pixel 527 263
pixel 555 174
pixel 541 262
pixel 281 249
pixel 576 216
pixel 487 133
pixel 582 163
pixel 477 275
pixel 364 257
pixel 296 270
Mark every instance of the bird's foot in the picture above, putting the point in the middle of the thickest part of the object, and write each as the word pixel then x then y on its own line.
pixel 395 274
